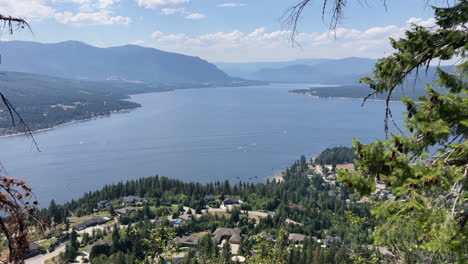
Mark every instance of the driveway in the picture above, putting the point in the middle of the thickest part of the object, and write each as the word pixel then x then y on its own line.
pixel 39 259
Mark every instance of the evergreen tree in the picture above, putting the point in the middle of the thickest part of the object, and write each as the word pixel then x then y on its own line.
pixel 226 252
pixel 425 167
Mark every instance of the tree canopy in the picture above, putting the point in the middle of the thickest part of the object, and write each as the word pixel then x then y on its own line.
pixel 425 166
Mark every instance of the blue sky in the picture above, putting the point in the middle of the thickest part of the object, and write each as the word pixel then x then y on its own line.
pixel 217 30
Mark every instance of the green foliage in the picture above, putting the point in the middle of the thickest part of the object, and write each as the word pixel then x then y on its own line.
pixel 45 101
pixel 269 251
pixel 336 155
pixel 427 168
pixel 159 242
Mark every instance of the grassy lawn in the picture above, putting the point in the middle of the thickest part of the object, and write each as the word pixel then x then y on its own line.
pixel 50 261
pixel 200 234
pixel 225 214
pixel 46 243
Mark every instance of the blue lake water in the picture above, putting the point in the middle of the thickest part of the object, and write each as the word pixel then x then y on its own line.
pixel 200 135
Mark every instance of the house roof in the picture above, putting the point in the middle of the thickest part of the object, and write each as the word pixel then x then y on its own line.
pixel 233 234
pixel 231 200
pixel 132 199
pixel 33 246
pixel 186 217
pixel 126 210
pixel 91 222
pixel 296 237
pixel 187 240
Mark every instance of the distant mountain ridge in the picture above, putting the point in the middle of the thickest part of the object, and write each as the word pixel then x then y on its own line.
pixel 77 60
pixel 339 71
pixel 245 69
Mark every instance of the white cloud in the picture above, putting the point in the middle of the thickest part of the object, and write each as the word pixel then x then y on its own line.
pixel 38 9
pixel 90 5
pixel 231 5
pixel 84 5
pixel 155 4
pixel 421 22
pixel 96 18
pixel 263 45
pixel 171 11
pixel 156 34
pixel 195 16
pixel 27 9
pixel 106 3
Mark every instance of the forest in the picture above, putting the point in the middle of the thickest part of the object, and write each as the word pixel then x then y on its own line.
pixel 321 209
pixel 336 155
pixel 44 101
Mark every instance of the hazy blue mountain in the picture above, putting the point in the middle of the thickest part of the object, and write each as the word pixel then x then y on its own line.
pixel 77 60
pixel 413 87
pixel 350 66
pixel 246 69
pixel 294 73
pixel 340 71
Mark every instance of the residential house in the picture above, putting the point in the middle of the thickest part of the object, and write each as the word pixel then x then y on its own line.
pixel 91 222
pixel 233 235
pixel 132 199
pixel 33 250
pixel 126 210
pixel 231 201
pixel 102 204
pixel 187 241
pixel 296 238
pixel 209 198
pixel 186 217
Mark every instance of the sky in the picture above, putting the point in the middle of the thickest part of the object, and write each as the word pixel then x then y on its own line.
pixel 220 30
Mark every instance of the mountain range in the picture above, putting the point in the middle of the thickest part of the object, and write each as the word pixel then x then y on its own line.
pixel 77 60
pixel 338 71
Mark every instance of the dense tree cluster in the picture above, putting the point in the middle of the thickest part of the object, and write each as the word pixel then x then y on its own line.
pixel 426 166
pixel 336 155
pixel 322 209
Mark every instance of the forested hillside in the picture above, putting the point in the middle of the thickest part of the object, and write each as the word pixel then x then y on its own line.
pixel 44 101
pixel 303 204
pixel 336 155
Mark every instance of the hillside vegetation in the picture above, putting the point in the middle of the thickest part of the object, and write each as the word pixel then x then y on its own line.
pixel 45 101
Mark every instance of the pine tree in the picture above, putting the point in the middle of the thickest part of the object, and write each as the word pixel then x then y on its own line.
pixel 226 252
pixel 426 166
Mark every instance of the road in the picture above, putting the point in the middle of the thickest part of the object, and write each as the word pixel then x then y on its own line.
pixel 39 259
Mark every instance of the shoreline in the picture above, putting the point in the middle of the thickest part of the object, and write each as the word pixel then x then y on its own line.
pixel 344 97
pixel 68 123
pixel 118 111
pixel 171 90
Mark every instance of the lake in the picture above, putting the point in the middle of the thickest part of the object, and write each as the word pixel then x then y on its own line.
pixel 213 134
